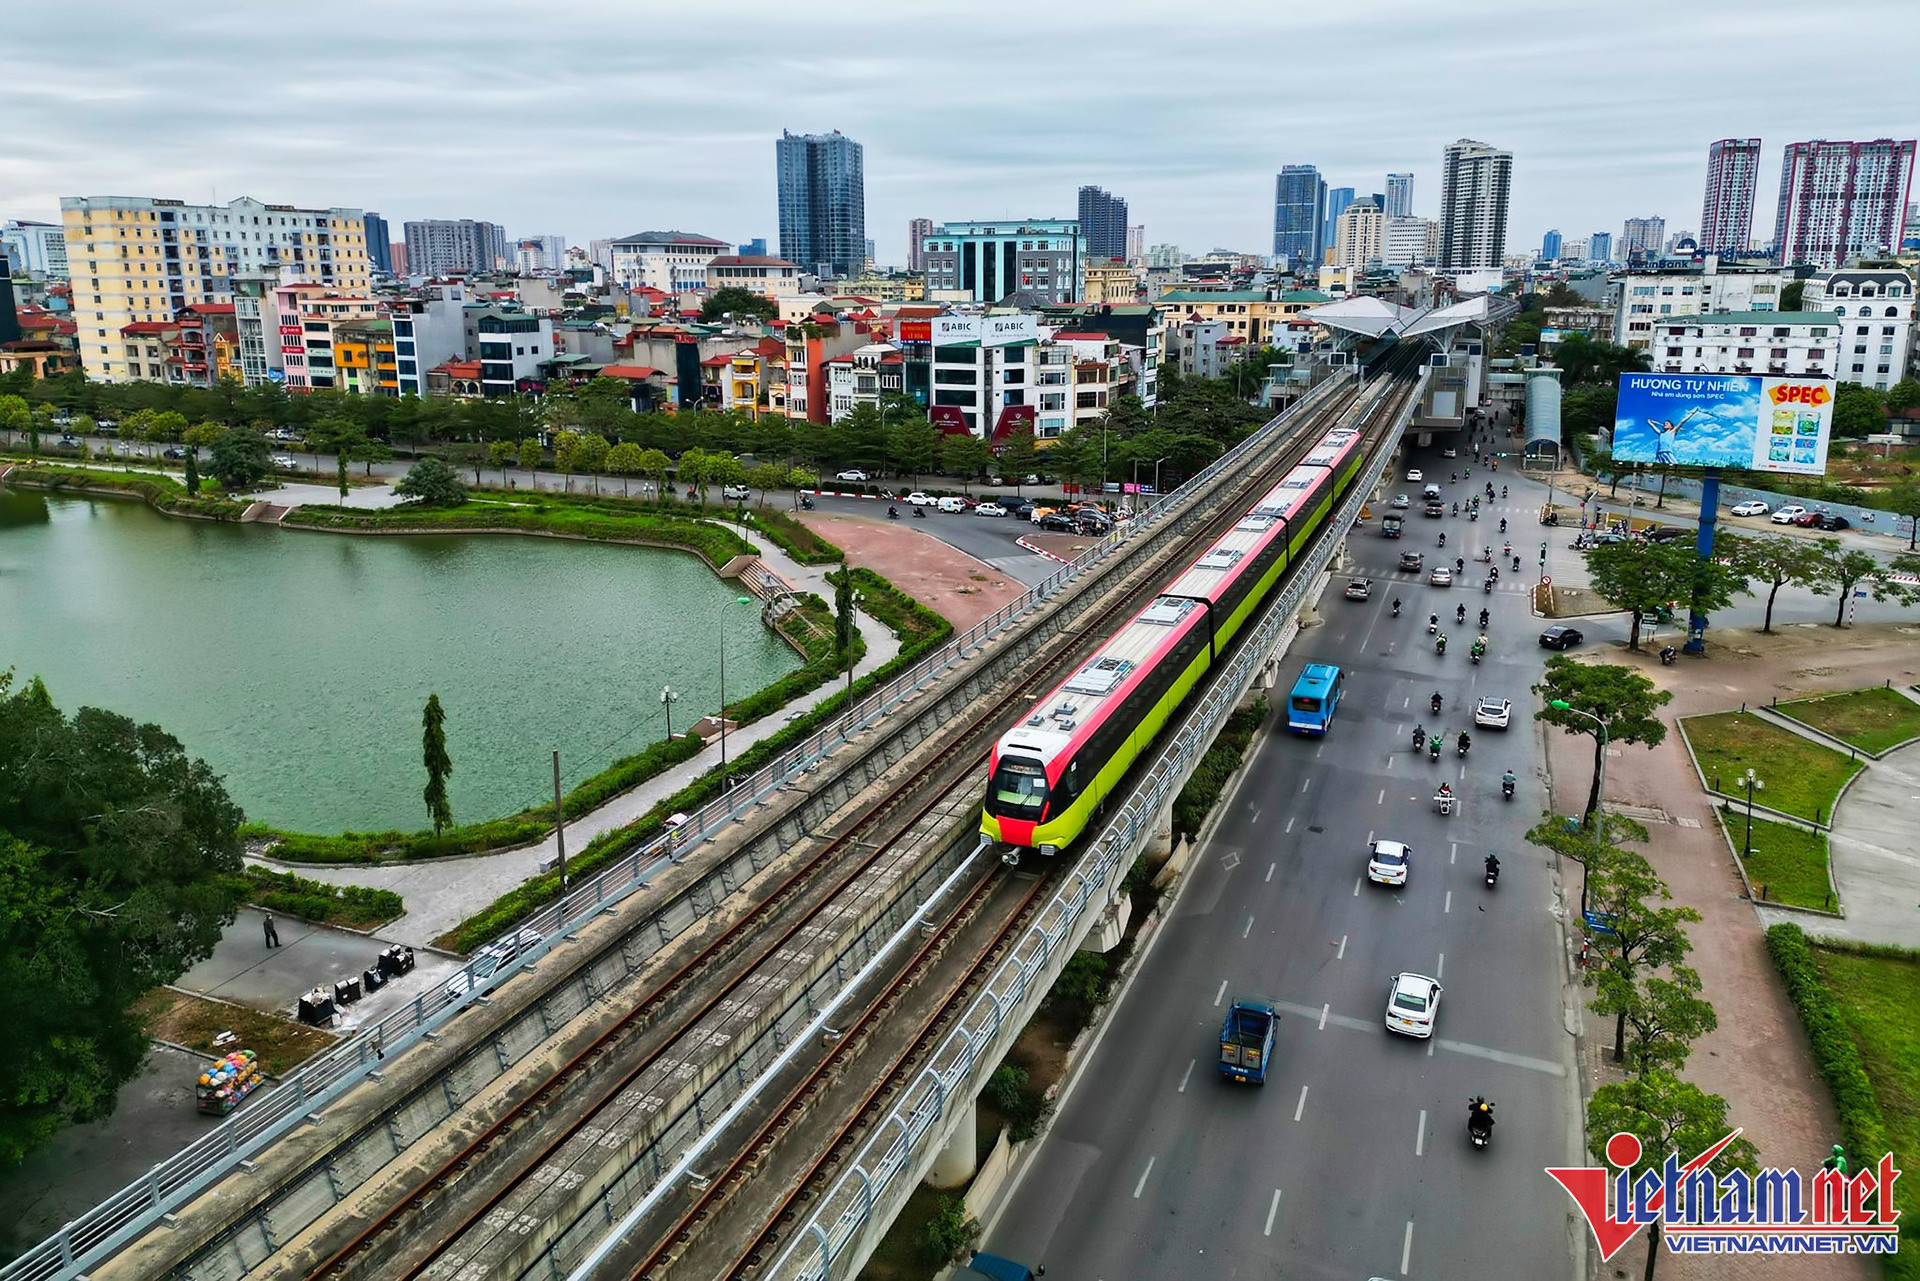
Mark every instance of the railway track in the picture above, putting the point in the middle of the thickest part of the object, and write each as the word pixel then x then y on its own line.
pixel 674 1015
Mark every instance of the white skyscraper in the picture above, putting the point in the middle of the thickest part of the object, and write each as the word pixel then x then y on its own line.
pixel 1475 182
pixel 1399 195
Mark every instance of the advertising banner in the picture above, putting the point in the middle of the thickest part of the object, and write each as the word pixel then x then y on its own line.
pixel 1766 423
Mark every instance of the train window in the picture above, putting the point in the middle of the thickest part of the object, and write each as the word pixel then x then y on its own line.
pixel 1018 788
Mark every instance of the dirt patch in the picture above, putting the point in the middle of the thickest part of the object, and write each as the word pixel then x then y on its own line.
pixel 194 1021
pixel 1065 546
pixel 1573 602
pixel 945 579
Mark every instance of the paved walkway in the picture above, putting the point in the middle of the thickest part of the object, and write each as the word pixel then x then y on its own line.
pixel 1758 1057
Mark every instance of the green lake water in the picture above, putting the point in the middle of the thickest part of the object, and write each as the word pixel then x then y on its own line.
pixel 296 663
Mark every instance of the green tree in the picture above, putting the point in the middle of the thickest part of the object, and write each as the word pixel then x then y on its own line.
pixel 119 858
pixel 861 437
pixel 1858 410
pixel 1017 454
pixel 1666 1115
pixel 626 460
pixel 501 453
pixel 1772 561
pixel 948 1235
pixel 591 456
pixel 1582 360
pixel 913 447
pixel 844 630
pixel 530 455
pixel 201 436
pixel 1588 410
pixel 654 464
pixel 1792 295
pixel 964 457
pixel 15 416
pixel 433 754
pixel 192 478
pixel 690 469
pixel 1839 569
pixel 724 469
pixel 1645 576
pixel 1903 499
pixel 1625 701
pixel 742 304
pixel 1646 936
pixel 1662 1016
pixel 340 475
pixel 767 477
pixel 566 455
pixel 239 458
pixel 432 483
pixel 1904 394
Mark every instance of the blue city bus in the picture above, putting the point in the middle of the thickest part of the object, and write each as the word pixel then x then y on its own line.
pixel 1315 697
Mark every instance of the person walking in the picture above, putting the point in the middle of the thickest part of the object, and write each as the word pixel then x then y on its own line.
pixel 273 935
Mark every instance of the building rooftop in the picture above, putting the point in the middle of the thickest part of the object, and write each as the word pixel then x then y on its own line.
pixel 1305 295
pixel 1749 318
pixel 751 260
pixel 630 371
pixel 687 238
pixel 1214 295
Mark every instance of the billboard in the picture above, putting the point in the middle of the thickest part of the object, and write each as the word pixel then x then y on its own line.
pixel 1762 422
pixel 988 331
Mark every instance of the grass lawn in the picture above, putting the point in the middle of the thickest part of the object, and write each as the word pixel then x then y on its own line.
pixel 193 1021
pixel 1877 995
pixel 1802 778
pixel 1788 864
pixel 1871 719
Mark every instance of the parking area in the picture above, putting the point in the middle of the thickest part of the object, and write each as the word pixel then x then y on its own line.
pixel 244 970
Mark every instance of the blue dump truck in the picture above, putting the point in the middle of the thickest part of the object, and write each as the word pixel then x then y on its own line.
pixel 1246 1041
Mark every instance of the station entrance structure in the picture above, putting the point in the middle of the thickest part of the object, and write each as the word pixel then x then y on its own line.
pixel 1456 337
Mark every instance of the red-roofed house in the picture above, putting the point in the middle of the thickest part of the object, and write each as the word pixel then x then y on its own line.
pixel 648 388
pixel 459 379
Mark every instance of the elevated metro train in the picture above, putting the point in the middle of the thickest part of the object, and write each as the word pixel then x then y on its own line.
pixel 1049 774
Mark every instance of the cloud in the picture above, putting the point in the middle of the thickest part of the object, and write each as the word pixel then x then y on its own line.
pixel 595 117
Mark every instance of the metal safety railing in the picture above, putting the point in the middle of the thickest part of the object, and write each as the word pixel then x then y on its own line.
pixel 136 1208
pixel 886 1167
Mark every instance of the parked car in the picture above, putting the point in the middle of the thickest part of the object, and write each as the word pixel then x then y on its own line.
pixel 738 493
pixel 284 462
pixel 68 442
pixel 1493 713
pixel 1018 508
pixel 492 957
pixel 1387 863
pixel 1413 1003
pixel 1807 520
pixel 919 499
pixel 1831 522
pixel 1752 507
pixel 989 509
pixel 1786 515
pixel 1561 637
pixel 106 427
pixel 950 504
pixel 1669 533
pixel 173 452
pixel 283 433
pixel 1058 523
pixel 853 474
pixel 1411 562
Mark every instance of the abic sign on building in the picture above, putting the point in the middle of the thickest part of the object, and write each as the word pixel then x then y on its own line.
pixel 988 331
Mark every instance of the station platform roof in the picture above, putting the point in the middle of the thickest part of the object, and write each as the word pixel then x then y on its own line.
pixel 1369 317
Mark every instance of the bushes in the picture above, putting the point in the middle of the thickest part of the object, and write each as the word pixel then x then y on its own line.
pixel 355 907
pixel 1203 789
pixel 1085 983
pixel 164 493
pixel 918 627
pixel 546 515
pixel 1834 1052
pixel 948 1234
pixel 792 537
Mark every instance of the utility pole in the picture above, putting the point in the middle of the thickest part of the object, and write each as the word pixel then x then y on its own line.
pixel 559 822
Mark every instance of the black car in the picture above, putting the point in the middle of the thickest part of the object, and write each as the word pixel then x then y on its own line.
pixel 1558 637
pixel 1018 508
pixel 1830 522
pixel 174 452
pixel 1669 533
pixel 1055 522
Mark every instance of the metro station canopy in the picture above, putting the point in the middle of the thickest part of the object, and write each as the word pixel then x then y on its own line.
pixel 1369 317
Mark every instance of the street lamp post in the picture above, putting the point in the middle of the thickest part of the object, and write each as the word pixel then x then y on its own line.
pixel 1753 784
pixel 725 782
pixel 667 699
pixel 1600 793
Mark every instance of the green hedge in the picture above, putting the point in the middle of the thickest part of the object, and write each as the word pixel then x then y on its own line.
pixel 792 537
pixel 355 907
pixel 162 492
pixel 515 906
pixel 1862 1124
pixel 1209 777
pixel 590 520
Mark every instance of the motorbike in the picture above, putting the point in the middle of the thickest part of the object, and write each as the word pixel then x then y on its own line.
pixel 1487 587
pixel 1475 654
pixel 1506 787
pixel 1396 609
pixel 1419 737
pixel 1474 514
pixel 1479 1122
pixel 1443 538
pixel 1440 644
pixel 1463 744
pixel 1483 620
pixel 1443 801
pixel 1493 871
pixel 1435 702
pixel 1503 524
pixel 806 504
pixel 1486 555
pixel 1456 509
pixel 1460 615
pixel 919 513
pixel 1503 488
pixel 1506 550
pixel 1433 624
pixel 893 513
pixel 1666 656
pixel 1433 748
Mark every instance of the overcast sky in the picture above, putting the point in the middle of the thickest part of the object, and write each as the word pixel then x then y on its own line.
pixel 589 119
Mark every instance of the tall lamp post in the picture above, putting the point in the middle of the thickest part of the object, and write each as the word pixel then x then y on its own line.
pixel 1600 795
pixel 667 699
pixel 726 784
pixel 1753 785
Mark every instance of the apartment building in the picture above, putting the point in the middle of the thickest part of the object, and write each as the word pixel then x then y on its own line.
pixel 135 259
pixel 206 345
pixel 1359 234
pixel 1648 298
pixel 37 248
pixel 864 376
pixel 455 246
pixel 305 315
pixel 1872 311
pixel 1255 315
pixel 1791 343
pixel 512 346
pixel 429 329
pixel 672 261
pixel 1839 200
pixel 1110 281
pixel 985 262
pixel 1099 374
pixel 364 362
pixel 757 273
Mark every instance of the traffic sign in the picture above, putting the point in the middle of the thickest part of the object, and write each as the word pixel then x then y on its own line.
pixel 1546 580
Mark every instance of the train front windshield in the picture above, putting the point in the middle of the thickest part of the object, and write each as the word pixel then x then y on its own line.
pixel 1018 788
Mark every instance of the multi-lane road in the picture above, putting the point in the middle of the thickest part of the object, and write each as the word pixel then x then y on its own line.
pixel 1352 1161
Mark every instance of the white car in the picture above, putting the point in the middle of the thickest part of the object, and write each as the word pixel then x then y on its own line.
pixel 1413 1002
pixel 1449 452
pixel 852 473
pixel 1440 576
pixel 950 504
pixel 1401 502
pixel 1493 713
pixel 732 492
pixel 1415 474
pixel 1752 507
pixel 989 509
pixel 1786 514
pixel 284 462
pixel 492 957
pixel 1387 863
pixel 919 499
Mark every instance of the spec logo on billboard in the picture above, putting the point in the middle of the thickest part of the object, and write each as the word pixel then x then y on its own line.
pixel 1815 394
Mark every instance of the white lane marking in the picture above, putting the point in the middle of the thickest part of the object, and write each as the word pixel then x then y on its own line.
pixel 1305 784
pixel 1185 1076
pixel 1324 1011
pixel 1463 772
pixel 1318 750
pixel 1300 1107
pixel 1449 906
pixel 1406 1250
pixel 1222 992
pixel 1406 700
pixel 1341 955
pixel 1420 1135
pixel 1270 868
pixel 1289 827
pixel 1141 1186
pixel 1249 929
pixel 1369 836
pixel 1382 798
pixel 1439 971
pixel 1271 1211
pixel 1430 1047
pixel 1389 760
pixel 1356 887
pixel 1453 851
pixel 1255 811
